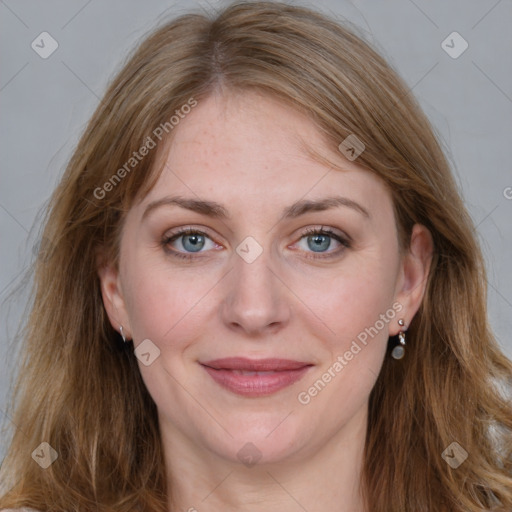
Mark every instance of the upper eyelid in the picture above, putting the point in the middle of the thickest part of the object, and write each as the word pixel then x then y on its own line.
pixel 188 230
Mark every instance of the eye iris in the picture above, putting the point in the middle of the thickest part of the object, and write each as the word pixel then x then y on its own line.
pixel 196 242
pixel 320 242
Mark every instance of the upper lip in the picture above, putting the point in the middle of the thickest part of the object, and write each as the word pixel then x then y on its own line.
pixel 255 365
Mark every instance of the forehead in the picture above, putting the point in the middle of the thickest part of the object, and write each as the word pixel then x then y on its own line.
pixel 252 150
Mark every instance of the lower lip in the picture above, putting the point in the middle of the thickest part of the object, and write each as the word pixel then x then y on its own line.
pixel 256 385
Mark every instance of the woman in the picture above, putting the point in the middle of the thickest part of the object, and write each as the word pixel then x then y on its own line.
pixel 260 290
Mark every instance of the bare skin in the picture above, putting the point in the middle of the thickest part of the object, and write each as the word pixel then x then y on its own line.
pixel 306 298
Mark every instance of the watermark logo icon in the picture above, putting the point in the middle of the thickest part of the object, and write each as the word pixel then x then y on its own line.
pixel 147 352
pixel 249 455
pixel 43 250
pixel 44 45
pixel 351 147
pixel 454 455
pixel 454 45
pixel 249 249
pixel 45 455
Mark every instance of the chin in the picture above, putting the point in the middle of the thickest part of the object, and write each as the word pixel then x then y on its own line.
pixel 272 439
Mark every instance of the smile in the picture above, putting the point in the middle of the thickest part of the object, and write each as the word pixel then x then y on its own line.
pixel 255 377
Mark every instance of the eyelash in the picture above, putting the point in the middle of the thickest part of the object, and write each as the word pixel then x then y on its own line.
pixel 309 232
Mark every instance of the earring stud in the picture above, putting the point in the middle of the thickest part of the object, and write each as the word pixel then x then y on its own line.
pixel 122 333
pixel 398 352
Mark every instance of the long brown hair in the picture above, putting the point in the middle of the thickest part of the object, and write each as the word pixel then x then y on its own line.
pixel 81 391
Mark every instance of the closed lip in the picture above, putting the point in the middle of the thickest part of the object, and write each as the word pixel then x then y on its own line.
pixel 255 377
pixel 255 365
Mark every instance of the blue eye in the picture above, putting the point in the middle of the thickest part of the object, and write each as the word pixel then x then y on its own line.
pixel 320 240
pixel 193 241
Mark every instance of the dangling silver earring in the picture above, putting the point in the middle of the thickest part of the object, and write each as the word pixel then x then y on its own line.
pixel 122 333
pixel 399 351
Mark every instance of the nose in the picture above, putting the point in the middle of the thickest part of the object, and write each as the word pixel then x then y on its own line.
pixel 256 300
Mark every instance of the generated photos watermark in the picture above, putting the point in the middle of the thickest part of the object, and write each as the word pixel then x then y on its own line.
pixel 304 397
pixel 147 146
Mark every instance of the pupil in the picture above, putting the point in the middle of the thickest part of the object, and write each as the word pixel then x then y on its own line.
pixel 319 242
pixel 196 242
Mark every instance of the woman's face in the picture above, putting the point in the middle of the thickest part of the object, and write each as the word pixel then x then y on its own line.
pixel 257 338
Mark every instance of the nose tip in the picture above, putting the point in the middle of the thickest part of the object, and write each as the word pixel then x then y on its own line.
pixel 254 299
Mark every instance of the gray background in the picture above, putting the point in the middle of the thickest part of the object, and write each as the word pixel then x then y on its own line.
pixel 45 103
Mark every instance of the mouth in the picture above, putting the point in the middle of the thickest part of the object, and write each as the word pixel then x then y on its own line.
pixel 255 377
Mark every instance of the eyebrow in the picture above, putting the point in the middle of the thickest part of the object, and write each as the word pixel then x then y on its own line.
pixel 217 211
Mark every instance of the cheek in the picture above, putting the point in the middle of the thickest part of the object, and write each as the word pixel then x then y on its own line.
pixel 353 353
pixel 357 306
pixel 165 306
pixel 349 300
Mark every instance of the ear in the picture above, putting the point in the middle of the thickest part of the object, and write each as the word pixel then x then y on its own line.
pixel 113 299
pixel 414 271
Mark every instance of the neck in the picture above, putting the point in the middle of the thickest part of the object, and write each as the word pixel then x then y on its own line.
pixel 327 477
